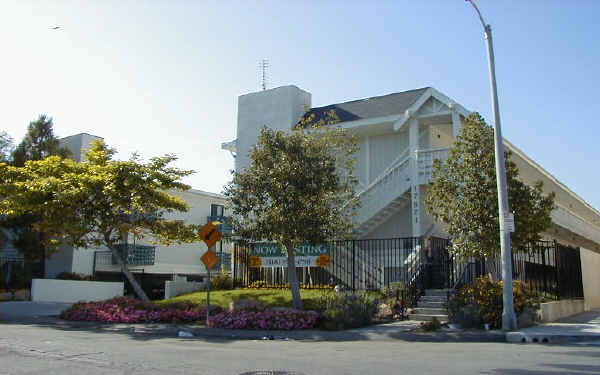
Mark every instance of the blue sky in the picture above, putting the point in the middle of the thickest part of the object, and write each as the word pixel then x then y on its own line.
pixel 164 76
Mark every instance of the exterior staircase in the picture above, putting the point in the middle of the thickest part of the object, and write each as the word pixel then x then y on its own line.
pixel 431 305
pixel 390 191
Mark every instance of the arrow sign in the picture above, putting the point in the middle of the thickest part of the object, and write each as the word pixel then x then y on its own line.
pixel 209 234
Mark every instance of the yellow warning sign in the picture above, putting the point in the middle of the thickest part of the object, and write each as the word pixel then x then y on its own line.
pixel 209 234
pixel 210 259
pixel 255 261
pixel 324 260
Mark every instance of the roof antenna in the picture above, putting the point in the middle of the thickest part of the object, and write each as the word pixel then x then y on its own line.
pixel 263 65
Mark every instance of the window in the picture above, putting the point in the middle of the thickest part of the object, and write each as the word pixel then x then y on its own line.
pixel 216 210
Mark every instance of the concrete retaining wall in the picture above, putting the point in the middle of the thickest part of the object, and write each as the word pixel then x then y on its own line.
pixel 552 311
pixel 590 272
pixel 176 288
pixel 48 290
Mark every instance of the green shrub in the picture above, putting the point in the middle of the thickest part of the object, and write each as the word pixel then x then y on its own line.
pixel 345 310
pixel 481 302
pixel 433 325
pixel 221 282
pixel 395 297
pixel 394 290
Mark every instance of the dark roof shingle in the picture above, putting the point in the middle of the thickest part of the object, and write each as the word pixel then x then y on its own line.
pixel 377 106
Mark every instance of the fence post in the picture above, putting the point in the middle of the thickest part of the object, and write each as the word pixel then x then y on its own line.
pixel 545 251
pixel 233 257
pixel 353 266
pixel 557 272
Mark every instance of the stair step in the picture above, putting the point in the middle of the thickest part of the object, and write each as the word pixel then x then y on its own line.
pixel 427 317
pixel 437 292
pixel 435 305
pixel 433 299
pixel 429 311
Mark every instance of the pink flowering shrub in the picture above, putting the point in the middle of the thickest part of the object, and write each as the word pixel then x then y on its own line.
pixel 267 319
pixel 130 310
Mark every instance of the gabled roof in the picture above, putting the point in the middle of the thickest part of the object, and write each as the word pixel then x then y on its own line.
pixel 378 106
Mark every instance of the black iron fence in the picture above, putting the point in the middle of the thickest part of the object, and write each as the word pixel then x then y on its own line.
pixel 547 267
pixel 17 273
pixel 419 263
pixel 371 264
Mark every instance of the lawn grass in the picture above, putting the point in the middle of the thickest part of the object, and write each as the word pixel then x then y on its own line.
pixel 271 297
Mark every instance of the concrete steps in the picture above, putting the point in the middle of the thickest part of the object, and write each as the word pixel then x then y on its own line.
pixel 431 305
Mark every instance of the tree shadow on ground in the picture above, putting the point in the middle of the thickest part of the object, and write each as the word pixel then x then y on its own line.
pixel 138 332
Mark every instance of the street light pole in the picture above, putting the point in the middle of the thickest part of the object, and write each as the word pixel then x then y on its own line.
pixel 509 320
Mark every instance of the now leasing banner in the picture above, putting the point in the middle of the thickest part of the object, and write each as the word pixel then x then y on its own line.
pixel 270 254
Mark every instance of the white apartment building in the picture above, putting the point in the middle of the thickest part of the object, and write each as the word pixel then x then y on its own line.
pixel 400 136
pixel 152 263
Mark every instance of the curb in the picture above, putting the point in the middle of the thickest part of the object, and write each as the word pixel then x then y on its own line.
pixel 540 338
pixel 370 333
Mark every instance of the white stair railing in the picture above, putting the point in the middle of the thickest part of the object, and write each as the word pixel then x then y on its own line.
pixel 395 181
pixel 388 186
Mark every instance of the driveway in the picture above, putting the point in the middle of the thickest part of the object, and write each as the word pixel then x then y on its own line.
pixel 581 327
pixel 26 310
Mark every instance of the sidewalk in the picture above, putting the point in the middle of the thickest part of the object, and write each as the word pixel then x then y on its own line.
pixel 582 327
pixel 383 332
pixel 11 310
pixel 579 328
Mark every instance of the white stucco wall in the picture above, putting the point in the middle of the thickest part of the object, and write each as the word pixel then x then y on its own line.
pixel 376 152
pixel 278 108
pixel 187 256
pixel 179 287
pixel 572 212
pixel 177 258
pixel 440 135
pixel 590 273
pixel 61 261
pixel 45 290
pixel 78 144
pixel 83 261
pixel 398 225
pixel 555 310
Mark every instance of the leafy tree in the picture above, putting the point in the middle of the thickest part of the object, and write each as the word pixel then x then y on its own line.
pixel 298 189
pixel 6 145
pixel 24 238
pixel 463 194
pixel 99 201
pixel 39 142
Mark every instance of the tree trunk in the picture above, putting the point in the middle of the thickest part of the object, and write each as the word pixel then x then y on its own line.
pixel 136 286
pixel 293 277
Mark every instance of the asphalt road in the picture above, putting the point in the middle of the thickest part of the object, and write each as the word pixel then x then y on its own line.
pixel 31 349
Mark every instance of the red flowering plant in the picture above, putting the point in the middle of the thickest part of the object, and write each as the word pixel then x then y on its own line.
pixel 130 310
pixel 264 320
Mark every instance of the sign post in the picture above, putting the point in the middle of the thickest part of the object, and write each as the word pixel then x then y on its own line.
pixel 208 297
pixel 210 235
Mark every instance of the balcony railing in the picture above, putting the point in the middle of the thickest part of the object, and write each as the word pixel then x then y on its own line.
pixel 225 227
pixel 135 255
pixel 425 160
